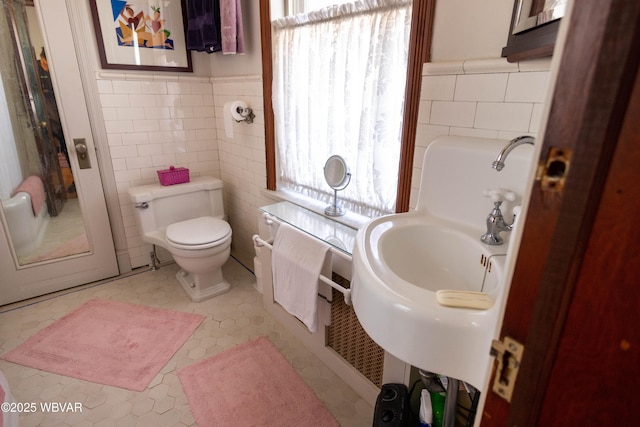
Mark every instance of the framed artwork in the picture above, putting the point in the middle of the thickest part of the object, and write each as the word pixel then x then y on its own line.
pixel 534 27
pixel 145 35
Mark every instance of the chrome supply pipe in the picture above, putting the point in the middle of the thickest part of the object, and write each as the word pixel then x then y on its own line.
pixel 450 403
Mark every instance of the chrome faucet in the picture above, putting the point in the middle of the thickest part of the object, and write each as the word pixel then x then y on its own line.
pixel 498 163
pixel 495 220
pixel 495 224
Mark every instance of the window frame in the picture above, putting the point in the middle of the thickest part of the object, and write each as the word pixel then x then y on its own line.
pixel 419 53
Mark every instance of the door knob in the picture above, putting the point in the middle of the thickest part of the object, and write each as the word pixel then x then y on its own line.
pixel 82 152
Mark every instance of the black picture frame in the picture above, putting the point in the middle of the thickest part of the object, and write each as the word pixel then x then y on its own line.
pixel 536 42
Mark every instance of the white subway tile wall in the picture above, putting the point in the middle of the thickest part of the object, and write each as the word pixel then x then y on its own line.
pixel 502 104
pixel 242 161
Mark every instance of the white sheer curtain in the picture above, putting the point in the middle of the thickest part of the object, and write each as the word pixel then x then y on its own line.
pixel 338 88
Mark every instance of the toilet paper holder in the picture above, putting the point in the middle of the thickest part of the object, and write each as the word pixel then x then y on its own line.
pixel 244 114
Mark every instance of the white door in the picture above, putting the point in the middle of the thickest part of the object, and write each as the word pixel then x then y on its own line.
pixel 86 252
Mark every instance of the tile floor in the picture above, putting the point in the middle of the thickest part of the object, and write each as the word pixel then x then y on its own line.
pixel 232 318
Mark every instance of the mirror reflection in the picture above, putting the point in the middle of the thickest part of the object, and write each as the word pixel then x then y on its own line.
pixel 533 13
pixel 40 209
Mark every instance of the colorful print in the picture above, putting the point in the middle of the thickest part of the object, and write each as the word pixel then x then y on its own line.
pixel 139 24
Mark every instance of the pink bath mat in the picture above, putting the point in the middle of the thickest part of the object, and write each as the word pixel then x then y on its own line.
pixel 108 342
pixel 251 385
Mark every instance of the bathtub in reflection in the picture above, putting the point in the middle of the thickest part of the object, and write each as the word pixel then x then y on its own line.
pixel 27 227
pixel 38 238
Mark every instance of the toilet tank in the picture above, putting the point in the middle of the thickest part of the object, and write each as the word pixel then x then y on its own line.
pixel 202 196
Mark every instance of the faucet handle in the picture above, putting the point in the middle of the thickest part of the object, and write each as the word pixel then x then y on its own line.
pixel 500 195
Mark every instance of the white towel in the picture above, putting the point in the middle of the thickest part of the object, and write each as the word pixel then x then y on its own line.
pixel 297 261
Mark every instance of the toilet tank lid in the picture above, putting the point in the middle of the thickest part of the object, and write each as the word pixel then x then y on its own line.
pixel 146 193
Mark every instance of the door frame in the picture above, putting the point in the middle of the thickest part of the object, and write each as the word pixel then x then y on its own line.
pixel 592 94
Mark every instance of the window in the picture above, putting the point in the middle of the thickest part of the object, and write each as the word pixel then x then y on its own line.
pixel 338 88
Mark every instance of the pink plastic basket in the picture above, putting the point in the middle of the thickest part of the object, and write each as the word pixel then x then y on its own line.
pixel 173 176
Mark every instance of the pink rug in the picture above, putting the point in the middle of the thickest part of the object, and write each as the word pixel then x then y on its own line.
pixel 251 385
pixel 77 245
pixel 108 342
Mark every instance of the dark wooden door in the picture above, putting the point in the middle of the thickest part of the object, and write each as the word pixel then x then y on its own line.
pixel 575 296
pixel 599 352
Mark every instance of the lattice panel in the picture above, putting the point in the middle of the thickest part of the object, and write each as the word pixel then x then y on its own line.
pixel 349 340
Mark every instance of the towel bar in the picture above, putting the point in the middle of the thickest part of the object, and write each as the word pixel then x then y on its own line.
pixel 346 292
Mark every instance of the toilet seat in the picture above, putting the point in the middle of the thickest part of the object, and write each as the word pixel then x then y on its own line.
pixel 198 233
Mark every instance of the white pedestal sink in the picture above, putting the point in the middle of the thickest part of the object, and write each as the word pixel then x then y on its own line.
pixel 401 261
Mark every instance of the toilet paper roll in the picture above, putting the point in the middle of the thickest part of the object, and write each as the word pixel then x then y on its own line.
pixel 228 119
pixel 239 110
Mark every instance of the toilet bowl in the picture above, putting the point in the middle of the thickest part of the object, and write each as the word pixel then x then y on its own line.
pixel 200 246
pixel 188 221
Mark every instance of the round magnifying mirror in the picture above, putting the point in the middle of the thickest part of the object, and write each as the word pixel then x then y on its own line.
pixel 337 175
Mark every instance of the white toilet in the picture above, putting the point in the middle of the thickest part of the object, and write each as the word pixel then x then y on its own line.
pixel 188 221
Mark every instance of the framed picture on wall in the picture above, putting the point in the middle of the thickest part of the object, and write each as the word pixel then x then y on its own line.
pixel 141 35
pixel 534 28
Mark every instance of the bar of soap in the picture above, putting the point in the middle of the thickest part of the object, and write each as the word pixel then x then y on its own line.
pixel 464 299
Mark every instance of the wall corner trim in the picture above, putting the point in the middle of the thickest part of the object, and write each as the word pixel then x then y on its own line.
pixel 484 66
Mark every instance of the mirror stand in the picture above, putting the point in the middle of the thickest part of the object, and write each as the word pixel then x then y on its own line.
pixel 335 209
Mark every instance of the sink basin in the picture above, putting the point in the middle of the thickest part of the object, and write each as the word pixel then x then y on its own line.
pixel 450 259
pixel 402 263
